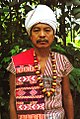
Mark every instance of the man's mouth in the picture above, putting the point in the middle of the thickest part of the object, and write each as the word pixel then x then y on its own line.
pixel 42 41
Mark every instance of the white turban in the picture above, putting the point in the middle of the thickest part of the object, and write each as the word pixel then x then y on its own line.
pixel 41 14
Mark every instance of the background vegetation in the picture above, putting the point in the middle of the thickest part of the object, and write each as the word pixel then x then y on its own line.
pixel 14 39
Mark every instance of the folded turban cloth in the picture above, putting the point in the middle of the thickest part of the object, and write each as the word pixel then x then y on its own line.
pixel 41 14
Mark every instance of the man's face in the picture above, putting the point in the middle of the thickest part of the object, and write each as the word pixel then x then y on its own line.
pixel 42 35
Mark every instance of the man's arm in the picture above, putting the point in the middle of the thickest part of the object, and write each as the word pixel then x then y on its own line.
pixel 67 98
pixel 13 114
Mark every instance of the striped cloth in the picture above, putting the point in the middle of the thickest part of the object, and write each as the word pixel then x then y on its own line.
pixel 53 105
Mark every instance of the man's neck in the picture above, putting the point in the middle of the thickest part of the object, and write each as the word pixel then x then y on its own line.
pixel 42 53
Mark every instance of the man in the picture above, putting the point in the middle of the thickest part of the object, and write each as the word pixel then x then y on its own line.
pixel 39 83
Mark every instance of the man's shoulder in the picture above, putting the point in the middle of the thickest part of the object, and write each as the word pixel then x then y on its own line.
pixel 23 53
pixel 23 57
pixel 59 54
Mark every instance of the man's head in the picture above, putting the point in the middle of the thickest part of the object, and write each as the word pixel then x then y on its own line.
pixel 42 35
pixel 41 14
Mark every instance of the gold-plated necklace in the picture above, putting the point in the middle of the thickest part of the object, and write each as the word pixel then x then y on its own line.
pixel 40 79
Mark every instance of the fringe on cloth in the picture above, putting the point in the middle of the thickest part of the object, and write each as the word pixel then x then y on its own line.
pixel 31 116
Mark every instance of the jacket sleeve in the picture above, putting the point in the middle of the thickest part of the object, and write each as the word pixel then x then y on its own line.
pixel 11 68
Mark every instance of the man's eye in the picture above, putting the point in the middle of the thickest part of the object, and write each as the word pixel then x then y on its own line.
pixel 47 30
pixel 36 30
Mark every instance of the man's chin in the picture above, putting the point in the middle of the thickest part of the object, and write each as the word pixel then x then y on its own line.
pixel 42 47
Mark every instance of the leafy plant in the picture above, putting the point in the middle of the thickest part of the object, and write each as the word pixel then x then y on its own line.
pixel 14 39
pixel 75 79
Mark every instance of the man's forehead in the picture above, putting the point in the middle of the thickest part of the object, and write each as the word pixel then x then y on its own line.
pixel 38 25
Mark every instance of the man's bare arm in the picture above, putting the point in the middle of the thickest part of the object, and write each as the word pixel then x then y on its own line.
pixel 67 98
pixel 13 114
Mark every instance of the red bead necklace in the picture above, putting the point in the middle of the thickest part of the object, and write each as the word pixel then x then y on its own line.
pixel 38 73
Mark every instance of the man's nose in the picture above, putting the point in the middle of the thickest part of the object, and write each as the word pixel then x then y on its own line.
pixel 42 34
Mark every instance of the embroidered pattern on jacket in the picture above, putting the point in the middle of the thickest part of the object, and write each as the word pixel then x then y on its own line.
pixel 28 93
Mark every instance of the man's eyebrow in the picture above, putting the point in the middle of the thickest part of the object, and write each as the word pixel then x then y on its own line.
pixel 44 27
pixel 36 27
pixel 48 27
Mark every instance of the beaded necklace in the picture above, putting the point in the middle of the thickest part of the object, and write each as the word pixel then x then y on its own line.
pixel 40 80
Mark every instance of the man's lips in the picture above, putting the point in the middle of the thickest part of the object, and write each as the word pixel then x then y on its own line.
pixel 42 41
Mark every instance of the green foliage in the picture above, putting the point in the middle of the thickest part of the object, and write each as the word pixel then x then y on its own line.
pixel 14 39
pixel 15 50
pixel 75 79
